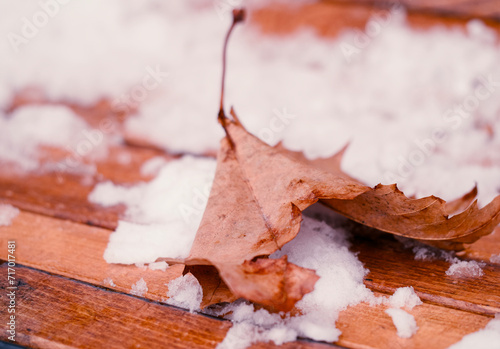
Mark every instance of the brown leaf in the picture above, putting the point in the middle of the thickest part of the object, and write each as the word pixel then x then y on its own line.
pixel 462 203
pixel 214 289
pixel 386 208
pixel 256 200
pixel 255 207
pixel 273 283
pixel 256 203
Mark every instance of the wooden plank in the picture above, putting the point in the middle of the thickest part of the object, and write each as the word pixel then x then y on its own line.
pixel 54 312
pixel 392 266
pixel 458 8
pixel 330 18
pixel 76 251
pixel 59 247
pixel 64 195
pixel 364 326
pixel 485 248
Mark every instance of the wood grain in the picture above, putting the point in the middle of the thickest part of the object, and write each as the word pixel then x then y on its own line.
pixel 392 266
pixel 365 326
pixel 59 246
pixel 76 251
pixel 54 312
pixel 64 195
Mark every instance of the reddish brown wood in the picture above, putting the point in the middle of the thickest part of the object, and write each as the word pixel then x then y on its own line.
pixel 365 326
pixel 330 18
pixel 53 312
pixel 392 266
pixel 76 251
pixel 64 195
pixel 457 8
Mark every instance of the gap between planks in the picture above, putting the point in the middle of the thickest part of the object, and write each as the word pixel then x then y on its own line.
pixel 75 251
pixel 56 312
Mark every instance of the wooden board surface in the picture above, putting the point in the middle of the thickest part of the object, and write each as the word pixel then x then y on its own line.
pixel 66 299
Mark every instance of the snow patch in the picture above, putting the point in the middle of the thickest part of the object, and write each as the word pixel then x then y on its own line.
pixel 162 215
pixel 469 269
pixel 404 297
pixel 185 292
pixel 158 266
pixel 405 323
pixel 486 338
pixel 29 128
pixel 7 214
pixel 108 281
pixel 495 258
pixel 324 248
pixel 139 288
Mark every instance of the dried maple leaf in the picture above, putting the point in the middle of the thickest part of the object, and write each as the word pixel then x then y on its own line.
pixel 255 206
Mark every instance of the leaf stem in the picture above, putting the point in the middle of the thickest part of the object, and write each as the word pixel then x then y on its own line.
pixel 238 16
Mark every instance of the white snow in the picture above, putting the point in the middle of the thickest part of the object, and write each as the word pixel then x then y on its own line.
pixel 320 246
pixel 251 326
pixel 404 297
pixel 458 268
pixel 495 258
pixel 7 214
pixel 470 269
pixel 28 128
pixel 298 88
pixel 108 281
pixel 153 166
pixel 405 323
pixel 133 243
pixel 158 266
pixel 487 338
pixel 139 288
pixel 449 85
pixel 162 215
pixel 185 292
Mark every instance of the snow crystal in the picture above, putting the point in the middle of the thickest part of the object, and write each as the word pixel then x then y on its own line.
pixel 469 269
pixel 185 292
pixel 165 213
pixel 250 326
pixel 458 267
pixel 158 266
pixel 495 258
pixel 108 281
pixel 139 288
pixel 7 214
pixel 404 297
pixel 405 323
pixel 486 338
